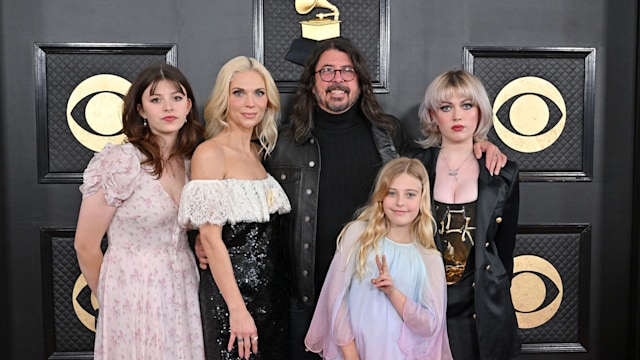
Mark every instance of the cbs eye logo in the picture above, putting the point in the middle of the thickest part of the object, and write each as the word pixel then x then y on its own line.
pixel 536 291
pixel 530 127
pixel 85 303
pixel 103 110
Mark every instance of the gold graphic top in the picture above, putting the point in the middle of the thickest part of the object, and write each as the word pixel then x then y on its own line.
pixel 456 226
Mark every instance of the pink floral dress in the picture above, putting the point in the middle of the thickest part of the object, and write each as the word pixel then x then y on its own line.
pixel 148 286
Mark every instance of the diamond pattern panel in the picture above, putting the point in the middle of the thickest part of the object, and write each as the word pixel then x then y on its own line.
pixel 65 328
pixel 564 252
pixel 360 23
pixel 70 334
pixel 568 76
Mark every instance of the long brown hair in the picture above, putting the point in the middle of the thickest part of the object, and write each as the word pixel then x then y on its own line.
pixel 141 136
pixel 305 101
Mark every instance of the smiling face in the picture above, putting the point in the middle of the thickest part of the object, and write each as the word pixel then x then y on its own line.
pixel 338 95
pixel 165 108
pixel 247 100
pixel 457 119
pixel 402 203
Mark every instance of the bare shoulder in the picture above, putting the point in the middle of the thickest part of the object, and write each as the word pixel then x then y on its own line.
pixel 208 161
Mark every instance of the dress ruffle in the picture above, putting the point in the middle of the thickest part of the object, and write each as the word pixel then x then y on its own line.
pixel 231 201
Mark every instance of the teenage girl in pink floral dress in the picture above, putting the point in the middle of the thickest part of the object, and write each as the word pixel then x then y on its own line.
pixel 146 282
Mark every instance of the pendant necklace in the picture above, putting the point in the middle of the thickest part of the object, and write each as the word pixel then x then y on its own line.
pixel 167 164
pixel 453 172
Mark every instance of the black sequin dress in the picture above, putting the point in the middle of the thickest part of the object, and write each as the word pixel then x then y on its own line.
pixel 249 212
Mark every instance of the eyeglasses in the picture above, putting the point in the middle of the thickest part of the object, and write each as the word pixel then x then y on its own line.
pixel 328 73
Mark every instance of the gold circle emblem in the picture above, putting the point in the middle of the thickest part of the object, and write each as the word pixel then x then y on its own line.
pixel 86 318
pixel 103 112
pixel 528 291
pixel 529 114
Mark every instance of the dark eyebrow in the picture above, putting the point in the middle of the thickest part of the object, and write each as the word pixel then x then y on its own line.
pixel 172 93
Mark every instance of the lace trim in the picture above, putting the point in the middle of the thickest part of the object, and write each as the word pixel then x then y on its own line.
pixel 231 201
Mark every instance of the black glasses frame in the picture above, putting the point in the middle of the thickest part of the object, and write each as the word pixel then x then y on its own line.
pixel 327 71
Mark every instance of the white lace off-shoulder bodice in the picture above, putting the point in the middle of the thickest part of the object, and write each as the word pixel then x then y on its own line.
pixel 231 201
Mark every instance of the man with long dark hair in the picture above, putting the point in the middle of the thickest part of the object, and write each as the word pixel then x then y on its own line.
pixel 326 159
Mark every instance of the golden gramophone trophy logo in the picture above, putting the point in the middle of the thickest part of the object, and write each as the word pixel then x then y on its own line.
pixel 322 27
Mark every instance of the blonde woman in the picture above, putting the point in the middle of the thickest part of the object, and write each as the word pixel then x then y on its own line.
pixel 235 204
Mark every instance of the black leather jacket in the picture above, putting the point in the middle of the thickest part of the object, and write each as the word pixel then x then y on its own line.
pixel 297 168
pixel 496 227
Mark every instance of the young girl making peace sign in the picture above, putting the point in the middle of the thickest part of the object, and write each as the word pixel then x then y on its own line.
pixel 384 296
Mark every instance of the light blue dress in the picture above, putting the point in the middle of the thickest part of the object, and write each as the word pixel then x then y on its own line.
pixel 372 317
pixel 350 308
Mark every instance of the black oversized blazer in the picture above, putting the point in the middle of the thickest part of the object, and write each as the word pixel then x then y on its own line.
pixel 496 226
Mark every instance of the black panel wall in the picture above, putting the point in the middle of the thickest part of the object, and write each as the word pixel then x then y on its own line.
pixel 425 39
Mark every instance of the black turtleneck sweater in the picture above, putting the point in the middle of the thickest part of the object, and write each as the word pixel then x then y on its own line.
pixel 349 162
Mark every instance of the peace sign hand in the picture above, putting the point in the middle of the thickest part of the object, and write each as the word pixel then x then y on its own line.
pixel 384 281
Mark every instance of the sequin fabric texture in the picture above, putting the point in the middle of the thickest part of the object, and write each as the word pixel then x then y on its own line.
pixel 249 211
pixel 258 266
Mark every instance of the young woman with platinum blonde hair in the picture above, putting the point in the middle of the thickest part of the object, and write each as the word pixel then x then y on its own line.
pixel 476 213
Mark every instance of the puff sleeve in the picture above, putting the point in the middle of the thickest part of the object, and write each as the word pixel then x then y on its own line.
pixel 113 170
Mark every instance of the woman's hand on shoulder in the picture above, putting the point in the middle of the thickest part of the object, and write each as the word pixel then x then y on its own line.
pixel 495 159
